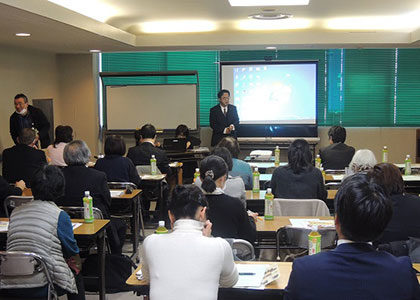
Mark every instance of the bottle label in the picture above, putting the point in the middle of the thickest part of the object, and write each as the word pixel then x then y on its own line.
pixel 385 156
pixel 88 209
pixel 268 209
pixel 256 186
pixel 314 244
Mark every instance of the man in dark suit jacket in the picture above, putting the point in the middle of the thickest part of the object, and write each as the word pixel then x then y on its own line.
pixel 22 160
pixel 224 118
pixel 79 179
pixel 142 153
pixel 355 270
pixel 337 155
pixel 28 116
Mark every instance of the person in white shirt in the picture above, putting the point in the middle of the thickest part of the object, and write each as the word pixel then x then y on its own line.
pixel 63 136
pixel 187 263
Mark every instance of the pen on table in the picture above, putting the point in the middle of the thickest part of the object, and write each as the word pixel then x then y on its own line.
pixel 246 273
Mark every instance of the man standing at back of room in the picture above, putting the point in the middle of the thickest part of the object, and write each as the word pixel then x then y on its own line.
pixel 28 116
pixel 224 118
pixel 337 155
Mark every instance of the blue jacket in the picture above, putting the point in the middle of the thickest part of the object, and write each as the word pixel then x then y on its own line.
pixel 353 271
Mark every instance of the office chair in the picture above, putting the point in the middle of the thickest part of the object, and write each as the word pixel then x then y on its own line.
pixel 12 202
pixel 20 265
pixel 242 250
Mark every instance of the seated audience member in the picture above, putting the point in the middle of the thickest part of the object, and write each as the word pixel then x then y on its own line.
pixel 362 161
pixel 405 221
pixel 196 264
pixel 22 160
pixel 9 190
pixel 355 270
pixel 234 186
pixel 145 148
pixel 114 164
pixel 228 215
pixel 337 155
pixel 298 179
pixel 63 136
pixel 182 132
pixel 239 167
pixel 79 179
pixel 52 238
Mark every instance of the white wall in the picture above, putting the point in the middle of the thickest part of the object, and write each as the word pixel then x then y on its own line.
pixel 24 71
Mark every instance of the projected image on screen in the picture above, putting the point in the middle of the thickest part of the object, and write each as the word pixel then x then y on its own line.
pixel 273 94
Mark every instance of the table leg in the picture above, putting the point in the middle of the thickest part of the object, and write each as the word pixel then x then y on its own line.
pixel 136 216
pixel 100 242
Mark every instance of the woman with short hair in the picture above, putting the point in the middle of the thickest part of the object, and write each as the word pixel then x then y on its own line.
pixel 299 179
pixel 117 167
pixel 42 228
pixel 187 263
pixel 405 221
pixel 63 136
pixel 228 215
pixel 362 161
pixel 239 167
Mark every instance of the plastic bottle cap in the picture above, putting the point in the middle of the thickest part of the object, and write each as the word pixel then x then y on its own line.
pixel 87 193
pixel 269 191
pixel 256 169
pixel 317 155
pixel 161 223
pixel 277 147
pixel 385 147
pixel 314 227
pixel 153 156
pixel 197 170
pixel 408 155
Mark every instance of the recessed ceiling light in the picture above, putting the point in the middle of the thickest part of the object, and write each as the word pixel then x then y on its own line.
pixel 271 48
pixel 177 26
pixel 94 51
pixel 24 34
pixel 374 23
pixel 270 16
pixel 267 2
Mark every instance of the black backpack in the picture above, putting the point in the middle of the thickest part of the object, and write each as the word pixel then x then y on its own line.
pixel 118 268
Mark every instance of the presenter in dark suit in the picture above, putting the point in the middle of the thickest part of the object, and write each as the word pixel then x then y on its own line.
pixel 355 270
pixel 28 116
pixel 224 118
pixel 22 160
pixel 337 155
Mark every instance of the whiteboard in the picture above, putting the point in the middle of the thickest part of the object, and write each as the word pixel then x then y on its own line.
pixel 164 106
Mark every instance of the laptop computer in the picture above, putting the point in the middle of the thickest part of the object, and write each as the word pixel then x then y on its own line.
pixel 175 145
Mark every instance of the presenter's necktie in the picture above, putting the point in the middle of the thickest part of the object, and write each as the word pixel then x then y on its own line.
pixel 224 111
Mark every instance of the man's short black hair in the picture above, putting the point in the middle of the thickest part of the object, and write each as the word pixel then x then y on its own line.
pixel 114 145
pixel 22 96
pixel 337 134
pixel 221 92
pixel 148 131
pixel 225 154
pixel 363 208
pixel 48 183
pixel 232 145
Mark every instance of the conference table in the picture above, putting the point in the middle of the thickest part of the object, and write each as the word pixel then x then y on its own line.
pixel 94 231
pixel 273 290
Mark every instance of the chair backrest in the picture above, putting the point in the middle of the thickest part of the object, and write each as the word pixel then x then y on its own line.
pixel 242 249
pixel 12 202
pixel 121 185
pixel 145 170
pixel 76 212
pixel 15 264
pixel 300 207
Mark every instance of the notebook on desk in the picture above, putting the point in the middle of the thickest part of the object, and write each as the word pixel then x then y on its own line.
pixel 175 145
